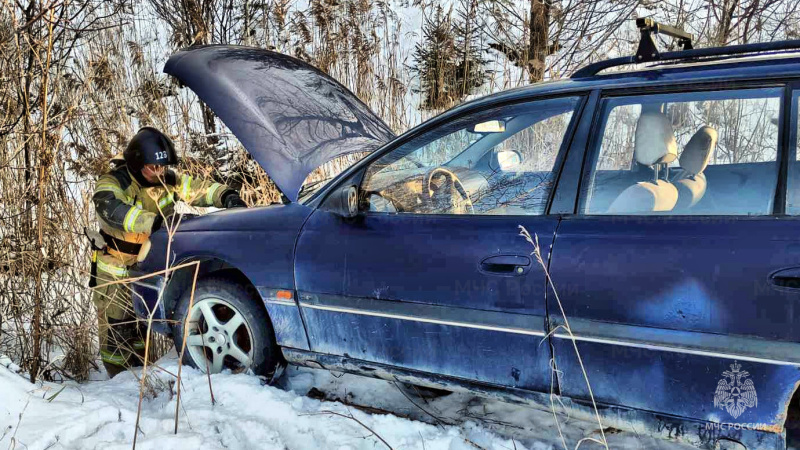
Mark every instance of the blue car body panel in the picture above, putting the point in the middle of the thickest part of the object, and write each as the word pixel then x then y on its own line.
pixel 383 287
pixel 660 307
pixel 691 274
pixel 673 383
pixel 259 242
pixel 685 295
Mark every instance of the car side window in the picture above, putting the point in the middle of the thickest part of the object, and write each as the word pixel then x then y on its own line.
pixel 498 161
pixel 793 183
pixel 697 153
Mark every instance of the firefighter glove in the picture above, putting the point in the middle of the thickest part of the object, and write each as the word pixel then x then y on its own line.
pixel 232 200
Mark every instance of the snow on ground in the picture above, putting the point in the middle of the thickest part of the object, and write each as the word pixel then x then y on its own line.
pixel 248 414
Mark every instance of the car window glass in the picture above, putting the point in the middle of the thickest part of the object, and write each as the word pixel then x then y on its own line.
pixel 793 184
pixel 699 153
pixel 617 149
pixel 327 171
pixel 496 161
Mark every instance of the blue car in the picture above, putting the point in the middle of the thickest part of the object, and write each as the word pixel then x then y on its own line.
pixel 666 205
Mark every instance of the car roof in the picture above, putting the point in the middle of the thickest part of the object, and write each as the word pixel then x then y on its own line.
pixel 777 68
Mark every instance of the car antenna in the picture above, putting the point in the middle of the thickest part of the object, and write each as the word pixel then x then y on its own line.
pixel 647 50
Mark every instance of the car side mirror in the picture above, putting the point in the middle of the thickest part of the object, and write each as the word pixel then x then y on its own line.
pixel 343 202
pixel 505 160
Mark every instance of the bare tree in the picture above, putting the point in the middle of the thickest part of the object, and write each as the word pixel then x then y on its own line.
pixel 35 238
pixel 549 39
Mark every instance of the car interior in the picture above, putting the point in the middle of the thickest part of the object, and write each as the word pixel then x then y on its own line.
pixel 656 156
pixel 696 178
pixel 496 163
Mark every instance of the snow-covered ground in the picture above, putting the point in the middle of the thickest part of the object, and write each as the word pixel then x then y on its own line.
pixel 247 414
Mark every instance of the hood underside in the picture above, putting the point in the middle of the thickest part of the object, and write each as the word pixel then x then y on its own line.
pixel 289 115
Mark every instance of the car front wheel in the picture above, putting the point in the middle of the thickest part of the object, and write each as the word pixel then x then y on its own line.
pixel 228 328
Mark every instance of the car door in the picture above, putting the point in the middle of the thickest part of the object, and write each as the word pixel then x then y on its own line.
pixel 433 275
pixel 678 272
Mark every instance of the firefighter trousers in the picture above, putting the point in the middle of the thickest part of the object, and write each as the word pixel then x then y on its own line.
pixel 121 342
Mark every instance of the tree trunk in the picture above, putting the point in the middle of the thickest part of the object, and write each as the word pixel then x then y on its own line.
pixel 725 22
pixel 540 32
pixel 210 126
pixel 466 49
pixel 44 167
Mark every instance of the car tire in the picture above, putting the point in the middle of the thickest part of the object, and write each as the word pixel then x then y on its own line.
pixel 220 342
pixel 793 422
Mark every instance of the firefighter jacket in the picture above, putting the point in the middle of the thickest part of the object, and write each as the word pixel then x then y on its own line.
pixel 127 210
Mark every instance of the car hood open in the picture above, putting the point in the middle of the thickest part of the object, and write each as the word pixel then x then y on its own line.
pixel 289 115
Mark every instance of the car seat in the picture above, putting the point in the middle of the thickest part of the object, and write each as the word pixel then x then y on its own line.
pixel 691 182
pixel 654 146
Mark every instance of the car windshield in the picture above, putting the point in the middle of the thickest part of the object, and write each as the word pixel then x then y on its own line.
pixel 320 177
pixel 312 187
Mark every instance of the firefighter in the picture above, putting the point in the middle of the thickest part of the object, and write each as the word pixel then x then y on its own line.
pixel 131 202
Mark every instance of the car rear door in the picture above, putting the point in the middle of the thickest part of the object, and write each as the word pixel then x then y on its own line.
pixel 444 288
pixel 689 309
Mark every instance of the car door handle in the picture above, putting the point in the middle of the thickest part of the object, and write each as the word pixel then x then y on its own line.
pixel 508 265
pixel 786 278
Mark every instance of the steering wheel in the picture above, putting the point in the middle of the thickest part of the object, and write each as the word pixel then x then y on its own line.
pixel 444 192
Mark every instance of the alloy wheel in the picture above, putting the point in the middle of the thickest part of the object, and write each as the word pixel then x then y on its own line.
pixel 219 337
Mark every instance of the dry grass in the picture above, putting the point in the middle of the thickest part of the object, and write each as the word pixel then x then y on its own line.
pixel 86 85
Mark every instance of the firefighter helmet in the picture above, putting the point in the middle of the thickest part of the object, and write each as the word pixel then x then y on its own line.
pixel 149 146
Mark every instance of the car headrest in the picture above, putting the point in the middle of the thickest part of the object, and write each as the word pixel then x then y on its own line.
pixel 697 152
pixel 655 140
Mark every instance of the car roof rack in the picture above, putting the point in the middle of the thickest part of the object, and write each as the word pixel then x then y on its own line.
pixel 648 52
